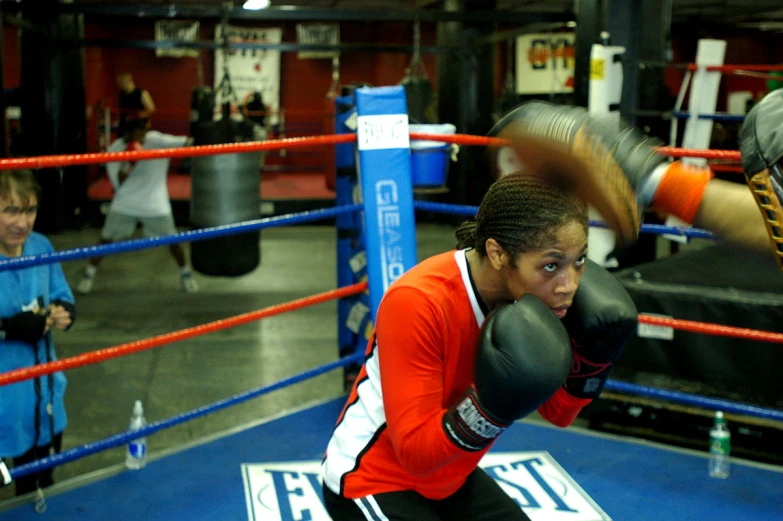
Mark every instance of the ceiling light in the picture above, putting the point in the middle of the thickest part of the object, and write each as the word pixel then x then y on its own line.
pixel 255 5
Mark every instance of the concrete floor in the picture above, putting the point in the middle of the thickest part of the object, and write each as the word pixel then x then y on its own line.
pixel 137 296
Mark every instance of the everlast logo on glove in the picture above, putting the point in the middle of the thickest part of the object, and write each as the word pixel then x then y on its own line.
pixel 469 427
pixel 473 419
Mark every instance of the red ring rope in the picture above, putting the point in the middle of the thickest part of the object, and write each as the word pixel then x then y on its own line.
pixel 300 142
pixel 93 357
pixel 713 329
pixel 100 355
pixel 732 68
pixel 205 150
pixel 734 155
pixel 463 139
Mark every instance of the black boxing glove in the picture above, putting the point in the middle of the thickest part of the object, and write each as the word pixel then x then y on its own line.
pixel 600 321
pixel 523 357
pixel 27 327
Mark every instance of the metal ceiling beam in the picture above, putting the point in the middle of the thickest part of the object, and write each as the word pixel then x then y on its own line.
pixel 502 36
pixel 282 47
pixel 727 14
pixel 283 13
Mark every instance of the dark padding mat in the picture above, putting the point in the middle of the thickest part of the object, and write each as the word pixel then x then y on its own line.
pixel 721 266
pixel 720 284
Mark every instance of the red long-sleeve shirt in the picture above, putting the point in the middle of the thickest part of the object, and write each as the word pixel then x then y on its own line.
pixel 419 361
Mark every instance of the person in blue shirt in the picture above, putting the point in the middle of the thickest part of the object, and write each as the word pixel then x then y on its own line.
pixel 34 301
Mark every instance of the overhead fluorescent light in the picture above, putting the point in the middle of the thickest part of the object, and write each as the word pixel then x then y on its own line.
pixel 255 5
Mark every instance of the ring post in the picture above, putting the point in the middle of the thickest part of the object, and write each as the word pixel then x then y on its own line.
pixel 353 313
pixel 387 194
pixel 349 240
pixel 703 99
pixel 606 86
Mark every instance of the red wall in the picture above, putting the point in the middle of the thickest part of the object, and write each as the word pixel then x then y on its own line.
pixel 11 70
pixel 304 83
pixel 170 81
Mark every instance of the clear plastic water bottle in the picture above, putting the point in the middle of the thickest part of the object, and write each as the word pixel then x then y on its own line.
pixel 720 448
pixel 136 457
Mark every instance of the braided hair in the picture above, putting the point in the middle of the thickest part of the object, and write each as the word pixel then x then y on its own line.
pixel 522 213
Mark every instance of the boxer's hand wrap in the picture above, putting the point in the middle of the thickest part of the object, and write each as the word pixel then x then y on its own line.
pixel 606 166
pixel 522 358
pixel 26 327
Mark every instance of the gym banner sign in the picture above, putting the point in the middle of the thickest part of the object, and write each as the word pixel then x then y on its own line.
pixel 249 70
pixel 177 31
pixel 291 491
pixel 317 34
pixel 545 63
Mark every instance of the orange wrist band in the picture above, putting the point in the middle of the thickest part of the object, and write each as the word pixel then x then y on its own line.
pixel 681 190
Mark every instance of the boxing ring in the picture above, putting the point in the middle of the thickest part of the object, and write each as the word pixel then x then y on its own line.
pixel 268 470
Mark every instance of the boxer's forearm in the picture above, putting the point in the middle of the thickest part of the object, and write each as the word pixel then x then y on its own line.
pixel 729 210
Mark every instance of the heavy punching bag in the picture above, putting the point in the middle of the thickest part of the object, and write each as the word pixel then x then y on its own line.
pixel 421 96
pixel 202 110
pixel 508 98
pixel 225 190
pixel 419 91
pixel 202 107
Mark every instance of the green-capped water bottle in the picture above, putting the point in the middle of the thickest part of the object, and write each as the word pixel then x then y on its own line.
pixel 720 448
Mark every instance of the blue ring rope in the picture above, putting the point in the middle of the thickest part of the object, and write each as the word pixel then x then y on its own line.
pixel 127 436
pixel 453 209
pixel 695 400
pixel 713 117
pixel 124 437
pixel 189 236
pixel 259 224
pixel 470 211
